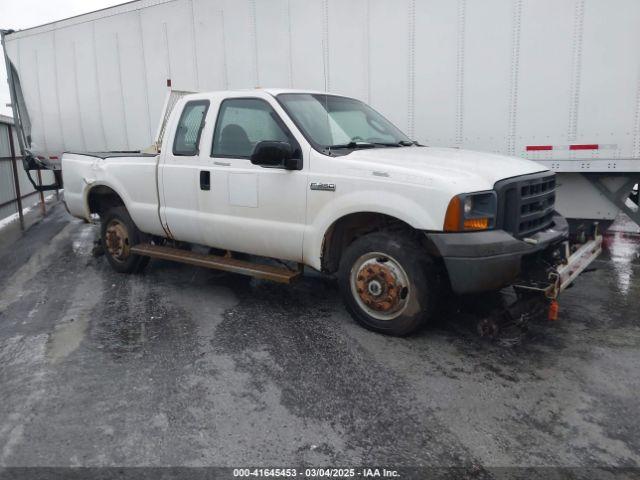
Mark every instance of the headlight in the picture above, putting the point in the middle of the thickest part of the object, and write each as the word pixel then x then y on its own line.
pixel 471 211
pixel 468 205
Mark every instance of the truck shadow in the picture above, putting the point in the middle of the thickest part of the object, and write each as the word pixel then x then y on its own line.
pixel 317 295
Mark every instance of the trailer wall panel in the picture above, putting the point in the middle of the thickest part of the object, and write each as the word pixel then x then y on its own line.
pixel 307 44
pixel 493 75
pixel 88 83
pixel 389 60
pixel 609 77
pixel 435 100
pixel 272 43
pixel 485 105
pixel 544 75
pixel 348 47
pixel 67 90
pixel 242 60
pixel 210 42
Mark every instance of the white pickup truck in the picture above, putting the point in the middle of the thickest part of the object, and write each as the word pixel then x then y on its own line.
pixel 325 181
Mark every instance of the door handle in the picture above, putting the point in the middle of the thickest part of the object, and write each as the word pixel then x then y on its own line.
pixel 205 180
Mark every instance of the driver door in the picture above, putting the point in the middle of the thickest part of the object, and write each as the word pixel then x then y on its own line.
pixel 250 208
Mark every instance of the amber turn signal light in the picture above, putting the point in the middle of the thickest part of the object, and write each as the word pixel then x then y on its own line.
pixel 455 222
pixel 453 217
pixel 476 223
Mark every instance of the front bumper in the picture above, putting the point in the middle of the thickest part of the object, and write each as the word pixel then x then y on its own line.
pixel 490 260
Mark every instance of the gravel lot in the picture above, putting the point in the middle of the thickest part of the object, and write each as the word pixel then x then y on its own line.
pixel 183 366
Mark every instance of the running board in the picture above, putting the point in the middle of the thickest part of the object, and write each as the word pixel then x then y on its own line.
pixel 216 262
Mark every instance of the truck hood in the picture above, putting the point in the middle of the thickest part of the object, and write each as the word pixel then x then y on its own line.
pixel 464 170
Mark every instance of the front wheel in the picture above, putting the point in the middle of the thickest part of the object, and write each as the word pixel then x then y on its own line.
pixel 119 234
pixel 388 282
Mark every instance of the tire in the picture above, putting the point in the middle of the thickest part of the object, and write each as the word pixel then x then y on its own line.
pixel 389 283
pixel 119 233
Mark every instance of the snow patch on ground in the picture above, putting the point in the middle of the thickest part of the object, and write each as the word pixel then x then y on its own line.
pixel 12 218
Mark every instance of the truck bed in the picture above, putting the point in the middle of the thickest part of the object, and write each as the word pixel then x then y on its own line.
pixel 129 175
pixel 114 154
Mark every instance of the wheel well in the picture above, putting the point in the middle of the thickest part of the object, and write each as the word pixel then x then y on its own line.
pixel 101 198
pixel 348 228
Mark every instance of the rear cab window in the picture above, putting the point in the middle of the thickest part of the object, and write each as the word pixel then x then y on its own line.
pixel 190 127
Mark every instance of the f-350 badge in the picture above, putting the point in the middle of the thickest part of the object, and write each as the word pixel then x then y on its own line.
pixel 327 187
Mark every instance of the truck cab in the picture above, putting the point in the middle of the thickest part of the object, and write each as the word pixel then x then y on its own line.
pixel 325 181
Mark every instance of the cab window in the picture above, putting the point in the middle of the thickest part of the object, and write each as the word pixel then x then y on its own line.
pixel 243 123
pixel 190 128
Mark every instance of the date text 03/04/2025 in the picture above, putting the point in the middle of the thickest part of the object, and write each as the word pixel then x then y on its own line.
pixel 316 472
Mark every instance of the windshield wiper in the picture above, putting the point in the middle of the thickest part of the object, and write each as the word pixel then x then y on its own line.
pixel 388 144
pixel 351 145
pixel 400 143
pixel 356 145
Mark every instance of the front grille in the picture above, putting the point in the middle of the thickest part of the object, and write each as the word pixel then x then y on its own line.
pixel 526 203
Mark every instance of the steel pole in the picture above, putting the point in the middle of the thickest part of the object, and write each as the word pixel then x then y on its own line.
pixel 16 180
pixel 43 208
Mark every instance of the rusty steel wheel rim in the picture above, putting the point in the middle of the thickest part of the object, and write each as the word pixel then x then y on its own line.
pixel 380 286
pixel 117 240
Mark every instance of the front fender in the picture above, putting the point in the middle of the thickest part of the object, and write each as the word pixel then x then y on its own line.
pixel 366 201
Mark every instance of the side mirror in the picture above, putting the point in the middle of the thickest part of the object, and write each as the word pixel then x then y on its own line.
pixel 275 155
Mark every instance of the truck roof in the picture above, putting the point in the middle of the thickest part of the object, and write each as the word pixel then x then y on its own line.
pixel 278 91
pixel 249 91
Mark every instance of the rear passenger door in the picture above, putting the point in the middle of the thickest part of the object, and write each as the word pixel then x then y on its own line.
pixel 253 209
pixel 179 177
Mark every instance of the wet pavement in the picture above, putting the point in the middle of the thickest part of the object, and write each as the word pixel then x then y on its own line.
pixel 184 366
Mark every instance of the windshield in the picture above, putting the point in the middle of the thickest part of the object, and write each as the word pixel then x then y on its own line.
pixel 334 123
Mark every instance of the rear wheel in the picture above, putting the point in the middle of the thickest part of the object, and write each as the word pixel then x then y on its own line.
pixel 389 284
pixel 119 234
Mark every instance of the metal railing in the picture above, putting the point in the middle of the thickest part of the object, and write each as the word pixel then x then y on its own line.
pixel 13 160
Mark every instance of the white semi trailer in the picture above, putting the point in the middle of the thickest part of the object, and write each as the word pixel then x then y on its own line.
pixel 556 81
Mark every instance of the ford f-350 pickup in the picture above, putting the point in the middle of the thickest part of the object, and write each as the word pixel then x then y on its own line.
pixel 325 181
